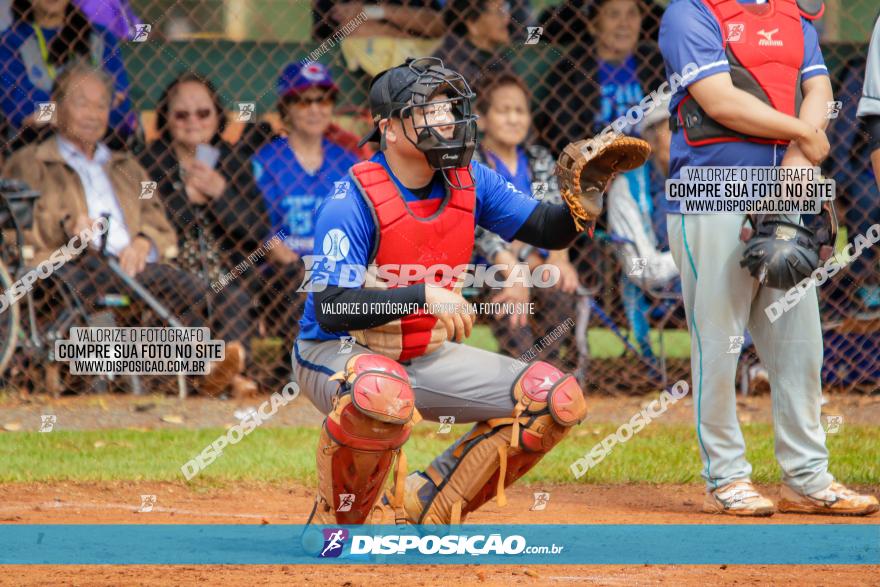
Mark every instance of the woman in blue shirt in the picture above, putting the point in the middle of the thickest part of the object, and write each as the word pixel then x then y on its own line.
pixel 296 173
pixel 45 36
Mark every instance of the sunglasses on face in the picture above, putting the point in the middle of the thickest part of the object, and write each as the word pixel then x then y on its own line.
pixel 184 115
pixel 323 100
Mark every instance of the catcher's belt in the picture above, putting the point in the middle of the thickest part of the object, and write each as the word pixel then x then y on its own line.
pixel 497 452
pixel 371 420
pixel 585 168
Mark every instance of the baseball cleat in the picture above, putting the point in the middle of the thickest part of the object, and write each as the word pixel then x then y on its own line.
pixel 739 498
pixel 836 500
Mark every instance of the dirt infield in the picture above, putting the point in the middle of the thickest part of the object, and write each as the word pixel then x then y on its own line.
pixel 109 503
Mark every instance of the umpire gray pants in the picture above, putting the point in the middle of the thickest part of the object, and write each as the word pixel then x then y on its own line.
pixel 466 383
pixel 721 300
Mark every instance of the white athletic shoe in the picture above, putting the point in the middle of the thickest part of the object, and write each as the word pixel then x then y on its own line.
pixel 738 498
pixel 836 500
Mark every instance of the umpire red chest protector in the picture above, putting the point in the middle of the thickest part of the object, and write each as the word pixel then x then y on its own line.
pixel 765 48
pixel 419 233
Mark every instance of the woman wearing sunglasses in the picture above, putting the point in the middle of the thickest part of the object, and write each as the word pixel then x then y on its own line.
pixel 211 200
pixel 296 173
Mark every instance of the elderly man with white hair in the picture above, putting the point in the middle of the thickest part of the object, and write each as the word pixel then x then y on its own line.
pixel 81 180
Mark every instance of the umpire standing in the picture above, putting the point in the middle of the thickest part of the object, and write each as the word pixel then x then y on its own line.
pixel 758 97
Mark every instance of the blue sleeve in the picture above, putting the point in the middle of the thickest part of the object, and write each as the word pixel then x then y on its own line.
pixel 500 207
pixel 689 33
pixel 814 63
pixel 115 67
pixel 344 234
pixel 18 95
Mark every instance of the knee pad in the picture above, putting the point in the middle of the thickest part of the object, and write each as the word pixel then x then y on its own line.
pixel 371 420
pixel 496 453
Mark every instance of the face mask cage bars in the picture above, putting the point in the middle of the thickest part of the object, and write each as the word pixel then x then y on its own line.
pixel 441 100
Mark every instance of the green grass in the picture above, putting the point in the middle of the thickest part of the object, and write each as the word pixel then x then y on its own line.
pixel 659 454
pixel 603 343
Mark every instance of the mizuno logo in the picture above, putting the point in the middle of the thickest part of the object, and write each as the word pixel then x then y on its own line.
pixel 768 41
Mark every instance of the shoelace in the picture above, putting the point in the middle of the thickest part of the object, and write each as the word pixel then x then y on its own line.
pixel 739 492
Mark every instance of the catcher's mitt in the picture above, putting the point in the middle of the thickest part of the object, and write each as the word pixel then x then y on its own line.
pixel 585 168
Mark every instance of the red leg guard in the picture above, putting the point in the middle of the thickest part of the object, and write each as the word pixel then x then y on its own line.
pixel 498 452
pixel 367 428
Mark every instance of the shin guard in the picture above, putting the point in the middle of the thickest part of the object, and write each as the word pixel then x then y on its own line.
pixel 497 452
pixel 371 420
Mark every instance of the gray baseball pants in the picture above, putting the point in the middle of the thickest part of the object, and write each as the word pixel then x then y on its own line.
pixel 469 384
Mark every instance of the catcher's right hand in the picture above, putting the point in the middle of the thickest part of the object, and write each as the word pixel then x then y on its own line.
pixel 586 167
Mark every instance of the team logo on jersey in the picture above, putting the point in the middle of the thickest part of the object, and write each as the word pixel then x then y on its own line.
pixel 334 541
pixel 336 245
pixel 768 40
pixel 735 32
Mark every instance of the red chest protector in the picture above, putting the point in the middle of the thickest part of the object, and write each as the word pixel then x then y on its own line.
pixel 765 51
pixel 420 233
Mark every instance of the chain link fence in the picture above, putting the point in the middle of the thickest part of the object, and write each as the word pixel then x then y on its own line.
pixel 207 71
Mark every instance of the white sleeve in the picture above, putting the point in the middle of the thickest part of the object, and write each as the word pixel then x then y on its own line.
pixel 625 220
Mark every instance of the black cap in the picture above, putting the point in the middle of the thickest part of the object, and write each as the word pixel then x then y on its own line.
pixel 390 91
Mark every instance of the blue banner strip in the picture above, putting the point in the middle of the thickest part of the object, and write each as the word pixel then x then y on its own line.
pixel 698 544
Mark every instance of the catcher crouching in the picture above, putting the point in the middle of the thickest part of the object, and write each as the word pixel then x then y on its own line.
pixel 417 202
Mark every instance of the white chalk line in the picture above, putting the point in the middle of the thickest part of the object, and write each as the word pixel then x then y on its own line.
pixel 51 505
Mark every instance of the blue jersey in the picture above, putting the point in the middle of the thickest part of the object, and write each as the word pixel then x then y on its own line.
pixel 689 33
pixel 522 179
pixel 345 229
pixel 620 87
pixel 292 194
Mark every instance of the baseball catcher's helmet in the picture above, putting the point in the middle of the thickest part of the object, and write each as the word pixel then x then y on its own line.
pixel 781 253
pixel 434 97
